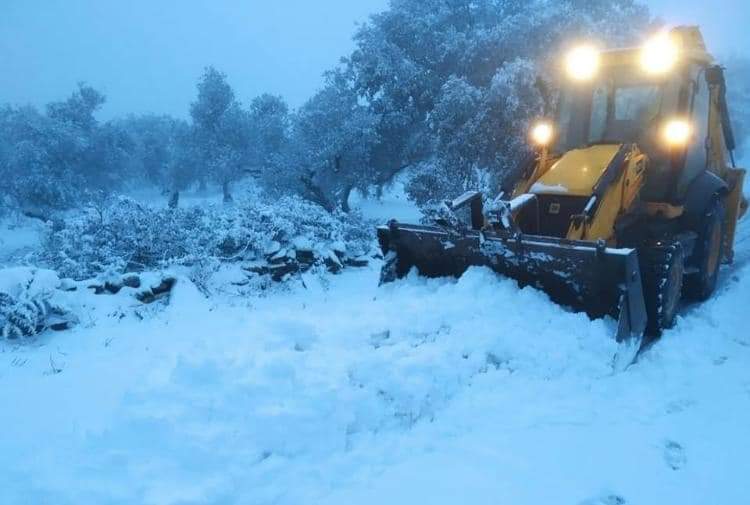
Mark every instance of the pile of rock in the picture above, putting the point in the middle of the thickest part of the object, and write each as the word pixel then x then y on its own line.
pixel 281 262
pixel 144 292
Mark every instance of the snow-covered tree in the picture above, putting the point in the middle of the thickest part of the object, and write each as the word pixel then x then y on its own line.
pixel 41 160
pixel 421 61
pixel 154 139
pixel 269 123
pixel 332 142
pixel 55 160
pixel 222 131
pixel 78 110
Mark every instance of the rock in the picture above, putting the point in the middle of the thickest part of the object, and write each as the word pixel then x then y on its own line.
pixel 156 292
pixel 306 257
pixel 359 262
pixel 271 248
pixel 61 321
pixel 98 288
pixel 280 257
pixel 113 287
pixel 108 288
pixel 131 281
pixel 333 263
pixel 165 286
pixel 279 272
pixel 68 285
pixel 339 248
pixel 302 244
pixel 257 268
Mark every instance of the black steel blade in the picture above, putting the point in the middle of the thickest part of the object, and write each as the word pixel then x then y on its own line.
pixel 582 275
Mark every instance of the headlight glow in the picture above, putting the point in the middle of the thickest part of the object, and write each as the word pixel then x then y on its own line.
pixel 660 54
pixel 542 133
pixel 582 63
pixel 677 133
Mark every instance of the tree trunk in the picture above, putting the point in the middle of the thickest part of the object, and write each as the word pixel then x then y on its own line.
pixel 315 193
pixel 35 214
pixel 202 186
pixel 174 199
pixel 345 199
pixel 227 193
pixel 387 177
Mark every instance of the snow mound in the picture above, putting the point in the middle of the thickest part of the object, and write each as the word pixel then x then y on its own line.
pixel 338 391
pixel 31 281
pixel 254 402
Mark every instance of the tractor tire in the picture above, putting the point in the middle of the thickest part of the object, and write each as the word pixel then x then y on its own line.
pixel 662 271
pixel 709 251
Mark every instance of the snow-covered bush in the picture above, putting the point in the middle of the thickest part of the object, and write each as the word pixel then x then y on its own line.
pixel 28 305
pixel 22 317
pixel 128 236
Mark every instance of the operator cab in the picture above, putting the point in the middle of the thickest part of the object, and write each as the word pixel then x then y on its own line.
pixel 659 97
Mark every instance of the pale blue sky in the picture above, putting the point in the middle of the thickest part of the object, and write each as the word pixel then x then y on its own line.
pixel 725 23
pixel 147 54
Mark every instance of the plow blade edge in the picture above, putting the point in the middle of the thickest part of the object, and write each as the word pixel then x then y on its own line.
pixel 587 277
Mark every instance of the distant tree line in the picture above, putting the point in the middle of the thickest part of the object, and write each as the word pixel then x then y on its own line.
pixel 445 88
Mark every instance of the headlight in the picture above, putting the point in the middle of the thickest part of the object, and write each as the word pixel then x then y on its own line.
pixel 542 133
pixel 660 54
pixel 677 133
pixel 582 63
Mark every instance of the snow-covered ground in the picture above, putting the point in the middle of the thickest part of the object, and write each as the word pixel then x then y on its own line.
pixel 338 391
pixel 18 235
pixel 394 204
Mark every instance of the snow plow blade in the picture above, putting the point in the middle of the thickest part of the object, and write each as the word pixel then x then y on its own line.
pixel 585 276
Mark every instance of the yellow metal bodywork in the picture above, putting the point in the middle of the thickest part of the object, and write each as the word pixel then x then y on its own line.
pixel 616 202
pixel 576 172
pixel 736 206
pixel 689 40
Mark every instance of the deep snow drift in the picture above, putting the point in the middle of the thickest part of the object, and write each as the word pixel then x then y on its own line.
pixel 333 390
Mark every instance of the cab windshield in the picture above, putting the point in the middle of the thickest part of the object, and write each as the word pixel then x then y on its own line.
pixel 608 112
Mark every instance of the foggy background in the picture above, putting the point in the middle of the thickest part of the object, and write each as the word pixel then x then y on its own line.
pixel 145 56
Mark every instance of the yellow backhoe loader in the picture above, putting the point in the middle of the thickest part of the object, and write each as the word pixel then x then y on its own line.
pixel 629 202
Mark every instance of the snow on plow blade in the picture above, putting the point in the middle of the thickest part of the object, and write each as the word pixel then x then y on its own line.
pixel 587 277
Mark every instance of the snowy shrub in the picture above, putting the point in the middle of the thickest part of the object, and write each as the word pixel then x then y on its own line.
pixel 27 304
pixel 128 236
pixel 24 317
